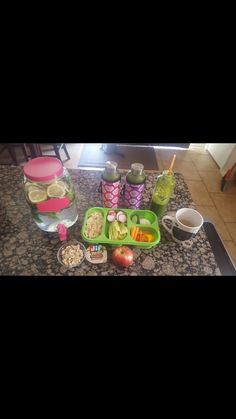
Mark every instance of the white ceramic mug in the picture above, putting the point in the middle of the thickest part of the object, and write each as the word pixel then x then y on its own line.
pixel 185 224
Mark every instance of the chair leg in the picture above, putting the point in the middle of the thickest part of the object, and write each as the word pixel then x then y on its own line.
pixel 56 151
pixel 12 154
pixel 3 148
pixel 38 149
pixel 25 152
pixel 33 152
pixel 66 152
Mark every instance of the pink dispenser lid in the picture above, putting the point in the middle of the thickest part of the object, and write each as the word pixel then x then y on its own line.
pixel 43 169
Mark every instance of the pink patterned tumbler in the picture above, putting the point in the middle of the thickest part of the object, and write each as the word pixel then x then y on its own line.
pixel 110 185
pixel 110 194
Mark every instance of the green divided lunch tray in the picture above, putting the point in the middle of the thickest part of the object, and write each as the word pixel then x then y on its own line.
pixel 103 237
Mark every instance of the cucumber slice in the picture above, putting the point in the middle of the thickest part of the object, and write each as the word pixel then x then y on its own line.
pixel 144 221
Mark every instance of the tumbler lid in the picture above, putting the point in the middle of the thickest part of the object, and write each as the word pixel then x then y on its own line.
pixel 137 168
pixel 111 166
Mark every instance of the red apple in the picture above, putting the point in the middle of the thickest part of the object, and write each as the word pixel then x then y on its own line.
pixel 123 256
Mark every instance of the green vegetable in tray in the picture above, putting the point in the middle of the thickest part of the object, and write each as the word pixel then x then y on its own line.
pixel 117 231
pixel 144 221
pixel 139 220
pixel 123 231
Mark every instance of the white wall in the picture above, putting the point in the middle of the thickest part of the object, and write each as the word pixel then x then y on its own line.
pixel 223 154
pixel 229 162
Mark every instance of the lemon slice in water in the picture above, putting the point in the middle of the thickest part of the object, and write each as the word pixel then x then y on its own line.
pixel 37 195
pixel 64 185
pixel 56 190
pixel 32 188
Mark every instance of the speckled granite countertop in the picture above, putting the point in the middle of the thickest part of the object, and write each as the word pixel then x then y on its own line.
pixel 26 250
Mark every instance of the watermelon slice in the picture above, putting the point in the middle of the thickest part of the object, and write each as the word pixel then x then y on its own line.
pixel 53 204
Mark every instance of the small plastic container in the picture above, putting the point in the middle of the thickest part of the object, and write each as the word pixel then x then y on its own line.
pixel 103 237
pixel 71 242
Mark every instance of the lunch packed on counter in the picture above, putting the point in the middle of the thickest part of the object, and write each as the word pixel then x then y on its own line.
pixel 52 199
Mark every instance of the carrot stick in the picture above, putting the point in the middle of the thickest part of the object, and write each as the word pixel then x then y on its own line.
pixel 140 236
pixel 133 230
pixel 136 233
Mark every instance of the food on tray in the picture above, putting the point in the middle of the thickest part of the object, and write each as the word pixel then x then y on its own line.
pixel 144 236
pixel 139 220
pixel 117 231
pixel 144 221
pixel 111 216
pixel 143 232
pixel 94 225
pixel 121 217
pixel 123 256
pixel 141 235
pixel 134 232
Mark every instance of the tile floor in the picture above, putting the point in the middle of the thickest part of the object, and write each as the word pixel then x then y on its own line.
pixel 203 178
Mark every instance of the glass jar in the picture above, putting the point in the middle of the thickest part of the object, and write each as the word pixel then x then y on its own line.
pixel 50 193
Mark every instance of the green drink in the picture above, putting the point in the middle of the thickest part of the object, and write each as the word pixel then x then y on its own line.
pixel 163 190
pixel 110 173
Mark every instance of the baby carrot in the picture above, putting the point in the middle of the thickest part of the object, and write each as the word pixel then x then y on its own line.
pixel 133 229
pixel 136 233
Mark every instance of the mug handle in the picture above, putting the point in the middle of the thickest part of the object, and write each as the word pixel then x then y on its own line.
pixel 167 217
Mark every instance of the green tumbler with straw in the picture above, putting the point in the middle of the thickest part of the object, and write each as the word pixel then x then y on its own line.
pixel 163 190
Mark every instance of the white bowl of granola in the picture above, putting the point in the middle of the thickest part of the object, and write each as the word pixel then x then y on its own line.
pixel 71 254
